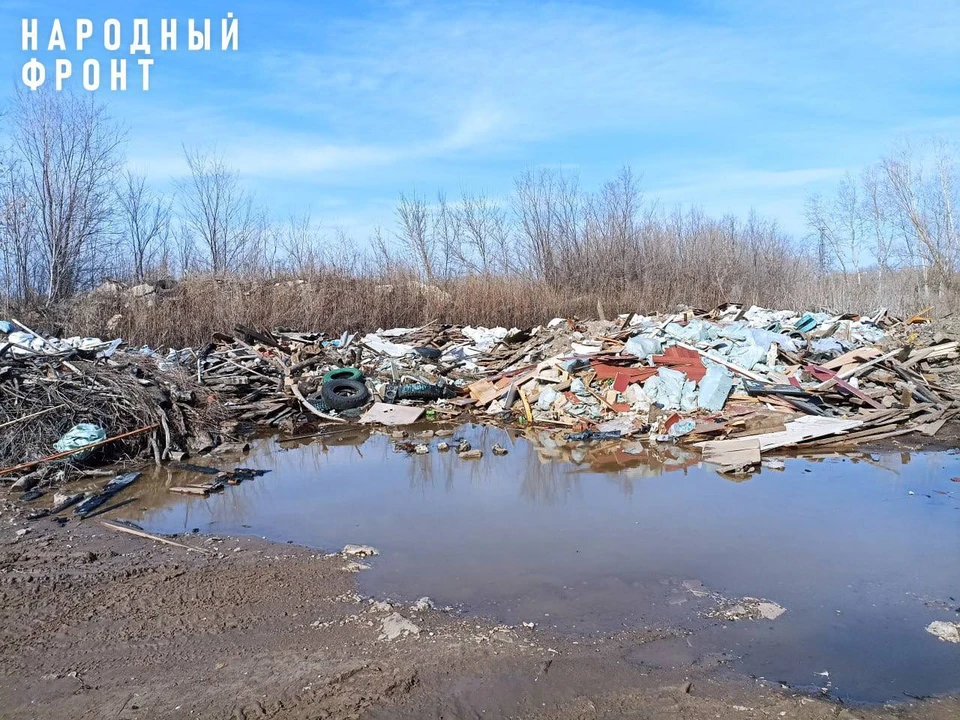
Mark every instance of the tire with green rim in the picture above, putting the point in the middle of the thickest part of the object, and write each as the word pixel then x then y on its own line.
pixel 343 374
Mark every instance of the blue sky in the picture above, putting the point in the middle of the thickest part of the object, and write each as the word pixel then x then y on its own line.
pixel 340 106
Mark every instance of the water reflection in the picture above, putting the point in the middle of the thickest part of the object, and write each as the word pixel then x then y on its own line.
pixel 603 534
pixel 546 468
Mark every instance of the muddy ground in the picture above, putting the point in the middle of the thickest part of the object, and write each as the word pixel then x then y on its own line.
pixel 98 624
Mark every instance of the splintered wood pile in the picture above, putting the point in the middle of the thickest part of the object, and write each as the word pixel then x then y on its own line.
pixel 270 377
pixel 156 411
pixel 264 377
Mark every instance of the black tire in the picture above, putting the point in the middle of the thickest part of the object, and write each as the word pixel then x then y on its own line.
pixel 344 394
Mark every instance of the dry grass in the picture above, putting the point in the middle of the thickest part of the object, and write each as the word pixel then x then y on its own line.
pixel 201 305
pixel 332 302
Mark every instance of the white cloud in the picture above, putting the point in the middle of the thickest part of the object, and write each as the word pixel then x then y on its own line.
pixel 745 103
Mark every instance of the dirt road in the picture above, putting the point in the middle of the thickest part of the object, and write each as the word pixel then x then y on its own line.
pixel 96 624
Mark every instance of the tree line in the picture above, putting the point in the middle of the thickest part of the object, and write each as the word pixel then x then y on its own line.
pixel 74 214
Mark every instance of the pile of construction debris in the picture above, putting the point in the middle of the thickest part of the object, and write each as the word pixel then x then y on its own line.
pixel 732 383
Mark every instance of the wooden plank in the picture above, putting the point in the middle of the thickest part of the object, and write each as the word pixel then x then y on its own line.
pixel 526 404
pixel 479 388
pixel 927 353
pixel 189 490
pixel 732 454
pixel 859 370
pixel 853 357
pixel 931 428
pixel 156 538
pixel 795 432
pixel 500 390
pixel 822 373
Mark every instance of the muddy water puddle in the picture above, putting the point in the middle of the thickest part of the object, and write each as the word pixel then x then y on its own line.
pixel 863 552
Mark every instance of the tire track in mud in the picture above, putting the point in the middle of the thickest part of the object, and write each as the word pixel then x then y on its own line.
pixel 97 625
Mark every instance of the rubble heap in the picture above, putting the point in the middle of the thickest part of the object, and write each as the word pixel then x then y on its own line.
pixel 733 382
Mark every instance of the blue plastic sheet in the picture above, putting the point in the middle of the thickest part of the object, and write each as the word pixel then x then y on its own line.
pixel 78 437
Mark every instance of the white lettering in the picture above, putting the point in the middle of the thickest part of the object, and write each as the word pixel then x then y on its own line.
pixel 168 34
pixel 84 31
pixel 118 73
pixel 198 40
pixel 34 73
pixel 111 34
pixel 91 74
pixel 141 37
pixel 230 35
pixel 145 63
pixel 64 69
pixel 56 37
pixel 28 34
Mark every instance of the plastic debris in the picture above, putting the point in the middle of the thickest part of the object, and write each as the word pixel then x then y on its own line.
pixel 79 436
pixel 715 388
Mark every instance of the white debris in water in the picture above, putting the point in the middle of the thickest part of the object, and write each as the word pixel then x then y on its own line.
pixel 773 464
pixel 396 625
pixel 946 631
pixel 695 588
pixel 356 567
pixel 748 609
pixel 360 550
pixel 770 610
pixel 422 605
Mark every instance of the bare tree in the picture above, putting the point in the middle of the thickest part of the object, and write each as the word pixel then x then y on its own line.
pixel 301 244
pixel 18 238
pixel 217 213
pixel 840 224
pixel 534 206
pixel 413 230
pixel 144 223
pixel 881 228
pixel 383 256
pixel 448 237
pixel 486 233
pixel 66 152
pixel 924 206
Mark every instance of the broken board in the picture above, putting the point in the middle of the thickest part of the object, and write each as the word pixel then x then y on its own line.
pixel 732 454
pixel 387 414
pixel 795 432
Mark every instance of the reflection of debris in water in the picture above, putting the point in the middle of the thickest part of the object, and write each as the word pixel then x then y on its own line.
pixel 592 548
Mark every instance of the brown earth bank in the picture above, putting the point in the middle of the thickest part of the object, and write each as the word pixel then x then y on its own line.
pixel 98 624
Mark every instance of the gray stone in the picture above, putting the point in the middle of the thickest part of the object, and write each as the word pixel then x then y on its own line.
pixel 396 625
pixel 422 605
